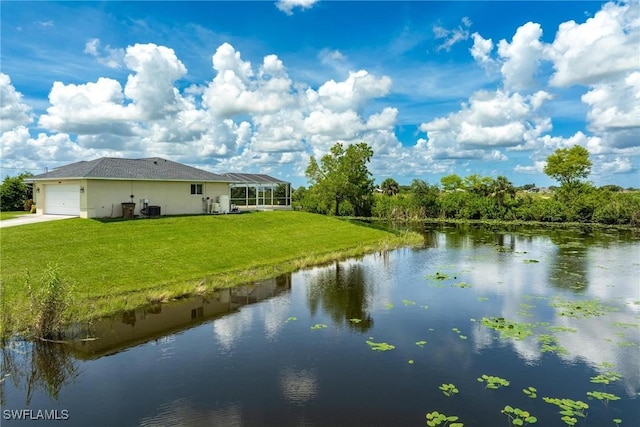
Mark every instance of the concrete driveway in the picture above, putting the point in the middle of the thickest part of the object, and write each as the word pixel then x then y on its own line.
pixel 31 219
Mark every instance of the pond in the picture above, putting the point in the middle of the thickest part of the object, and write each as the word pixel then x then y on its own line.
pixel 482 324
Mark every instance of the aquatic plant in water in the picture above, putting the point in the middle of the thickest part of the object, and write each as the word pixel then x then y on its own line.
pixel 291 318
pixel 493 382
pixel 448 389
pixel 602 396
pixel 457 331
pixel 435 418
pixel 532 392
pixel 420 343
pixel 462 285
pixel 438 276
pixel 606 378
pixel 408 302
pixel 319 326
pixel 569 409
pixel 380 346
pixel 581 308
pixel 518 417
pixel 508 328
pixel 355 320
pixel 549 344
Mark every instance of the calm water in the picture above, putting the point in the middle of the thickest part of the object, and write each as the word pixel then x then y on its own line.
pixel 293 351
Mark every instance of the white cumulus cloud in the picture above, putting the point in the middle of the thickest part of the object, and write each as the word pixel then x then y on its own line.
pixel 602 48
pixel 521 57
pixel 359 87
pixel 110 57
pixel 287 6
pixel 488 120
pixel 13 112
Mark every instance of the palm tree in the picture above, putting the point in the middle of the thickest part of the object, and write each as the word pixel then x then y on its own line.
pixel 500 188
pixel 390 187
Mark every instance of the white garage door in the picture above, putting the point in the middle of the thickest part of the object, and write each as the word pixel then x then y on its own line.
pixel 62 199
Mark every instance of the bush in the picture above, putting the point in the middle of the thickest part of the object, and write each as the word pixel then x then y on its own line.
pixel 618 208
pixel 14 192
pixel 50 303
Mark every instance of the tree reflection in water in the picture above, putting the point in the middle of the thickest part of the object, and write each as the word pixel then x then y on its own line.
pixel 36 365
pixel 343 294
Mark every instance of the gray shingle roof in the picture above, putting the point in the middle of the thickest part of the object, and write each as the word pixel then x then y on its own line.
pixel 153 168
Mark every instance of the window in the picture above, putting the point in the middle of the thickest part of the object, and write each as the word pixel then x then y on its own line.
pixel 196 188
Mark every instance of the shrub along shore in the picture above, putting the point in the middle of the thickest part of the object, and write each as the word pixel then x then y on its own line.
pixel 84 269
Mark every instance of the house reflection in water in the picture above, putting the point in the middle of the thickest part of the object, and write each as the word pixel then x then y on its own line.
pixel 114 334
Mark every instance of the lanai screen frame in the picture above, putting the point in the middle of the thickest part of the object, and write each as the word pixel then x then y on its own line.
pixel 258 182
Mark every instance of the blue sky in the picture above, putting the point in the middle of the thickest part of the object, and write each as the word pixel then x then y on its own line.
pixel 489 88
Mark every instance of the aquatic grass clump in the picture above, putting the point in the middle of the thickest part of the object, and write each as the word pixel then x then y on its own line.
pixel 493 382
pixel 435 418
pixel 50 302
pixel 518 417
pixel 448 389
pixel 420 343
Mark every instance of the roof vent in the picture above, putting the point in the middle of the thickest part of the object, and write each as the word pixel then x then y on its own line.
pixel 155 162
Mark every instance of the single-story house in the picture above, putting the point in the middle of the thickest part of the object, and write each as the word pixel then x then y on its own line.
pixel 108 187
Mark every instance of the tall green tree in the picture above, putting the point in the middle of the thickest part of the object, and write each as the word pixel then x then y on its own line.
pixel 426 197
pixel 480 185
pixel 14 192
pixel 451 182
pixel 342 175
pixel 390 187
pixel 569 166
pixel 500 188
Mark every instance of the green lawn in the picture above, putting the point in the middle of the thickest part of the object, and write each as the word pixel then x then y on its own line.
pixel 115 265
pixel 12 214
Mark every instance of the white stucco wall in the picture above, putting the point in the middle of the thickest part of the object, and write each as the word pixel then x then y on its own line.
pixel 104 198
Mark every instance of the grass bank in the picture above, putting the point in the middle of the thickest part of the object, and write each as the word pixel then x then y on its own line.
pixel 112 266
pixel 500 222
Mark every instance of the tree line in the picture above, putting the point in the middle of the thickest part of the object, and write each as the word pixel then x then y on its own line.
pixel 342 185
